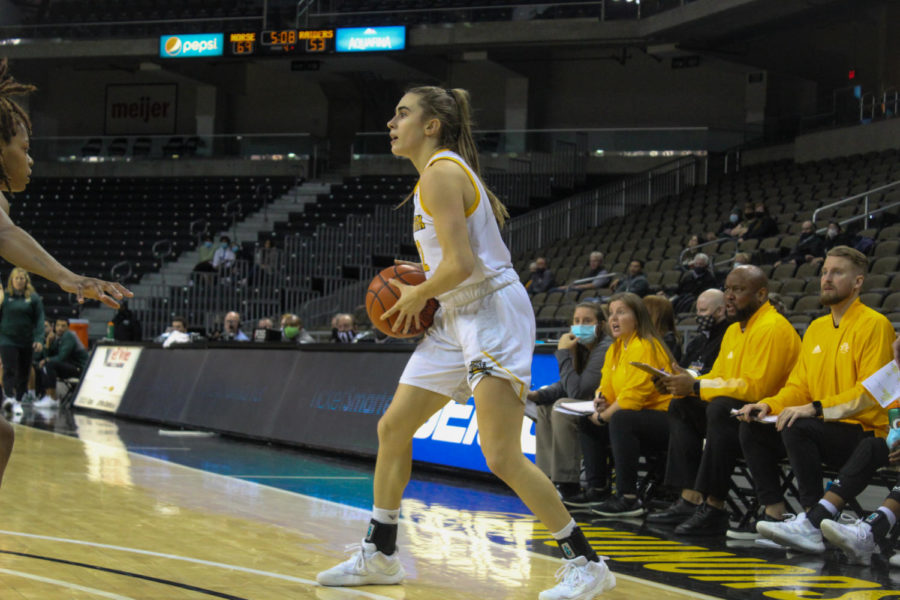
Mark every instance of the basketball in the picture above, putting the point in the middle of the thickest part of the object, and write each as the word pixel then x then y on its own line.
pixel 381 296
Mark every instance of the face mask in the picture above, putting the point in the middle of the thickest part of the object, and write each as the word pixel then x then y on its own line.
pixel 235 248
pixel 585 333
pixel 733 218
pixel 699 270
pixel 207 244
pixel 738 263
pixel 832 233
pixel 291 332
pixel 705 322
pixel 224 245
pixel 760 213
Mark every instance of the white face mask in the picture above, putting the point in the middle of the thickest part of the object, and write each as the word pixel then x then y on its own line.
pixel 832 233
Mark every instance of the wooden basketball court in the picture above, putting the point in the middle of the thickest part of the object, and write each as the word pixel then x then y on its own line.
pixel 89 519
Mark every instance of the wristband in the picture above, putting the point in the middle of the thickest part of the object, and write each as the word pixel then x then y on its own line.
pixel 818 408
pixel 697 387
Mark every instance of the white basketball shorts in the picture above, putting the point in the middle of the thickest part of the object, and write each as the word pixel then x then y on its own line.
pixel 479 332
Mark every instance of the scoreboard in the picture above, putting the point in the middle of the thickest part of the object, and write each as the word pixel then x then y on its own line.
pixel 279 42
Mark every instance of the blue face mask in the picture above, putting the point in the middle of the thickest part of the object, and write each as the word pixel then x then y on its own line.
pixel 207 244
pixel 224 245
pixel 585 333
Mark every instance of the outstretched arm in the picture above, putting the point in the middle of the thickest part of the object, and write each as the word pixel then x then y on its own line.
pixel 19 248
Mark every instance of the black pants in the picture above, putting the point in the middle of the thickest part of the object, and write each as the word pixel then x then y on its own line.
pixel 687 428
pixel 869 455
pixel 53 371
pixel 16 366
pixel 712 472
pixel 763 451
pixel 631 434
pixel 812 442
pixel 595 450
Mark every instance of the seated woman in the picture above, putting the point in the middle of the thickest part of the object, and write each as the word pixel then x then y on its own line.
pixel 580 354
pixel 628 404
pixel 662 313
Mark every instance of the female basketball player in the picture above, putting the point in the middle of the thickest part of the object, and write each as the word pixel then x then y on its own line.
pixel 16 245
pixel 481 342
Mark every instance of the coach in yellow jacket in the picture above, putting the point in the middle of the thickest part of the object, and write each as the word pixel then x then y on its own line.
pixel 755 359
pixel 824 413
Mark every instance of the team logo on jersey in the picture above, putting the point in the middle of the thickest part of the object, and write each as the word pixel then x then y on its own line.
pixel 817 349
pixel 418 223
pixel 479 366
pixel 845 348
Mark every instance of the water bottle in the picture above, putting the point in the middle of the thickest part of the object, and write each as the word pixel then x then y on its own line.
pixel 894 423
pixel 110 331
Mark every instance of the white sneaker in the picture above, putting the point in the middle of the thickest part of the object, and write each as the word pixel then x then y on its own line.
pixel 367 566
pixel 46 402
pixel 17 411
pixel 8 403
pixel 580 579
pixel 856 540
pixel 796 532
pixel 894 561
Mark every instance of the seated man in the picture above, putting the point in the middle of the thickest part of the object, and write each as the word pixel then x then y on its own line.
pixel 595 271
pixel 232 329
pixel 825 415
pixel 343 329
pixel 292 331
pixel 692 283
pixel 206 252
pixel 542 279
pixel 634 281
pixel 757 353
pixel 809 247
pixel 224 256
pixel 66 357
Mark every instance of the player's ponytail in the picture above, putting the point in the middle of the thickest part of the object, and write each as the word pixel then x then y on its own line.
pixel 11 114
pixel 454 110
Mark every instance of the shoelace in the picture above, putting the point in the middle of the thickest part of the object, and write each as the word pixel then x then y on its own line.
pixel 570 574
pixel 360 555
pixel 862 534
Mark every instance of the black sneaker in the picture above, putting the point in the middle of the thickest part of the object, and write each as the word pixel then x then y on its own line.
pixel 706 520
pixel 620 506
pixel 678 512
pixel 748 531
pixel 589 498
pixel 568 490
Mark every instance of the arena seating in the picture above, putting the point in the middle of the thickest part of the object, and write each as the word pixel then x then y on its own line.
pixel 791 191
pixel 90 225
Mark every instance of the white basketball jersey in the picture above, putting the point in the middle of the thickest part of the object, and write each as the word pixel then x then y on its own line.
pixel 491 255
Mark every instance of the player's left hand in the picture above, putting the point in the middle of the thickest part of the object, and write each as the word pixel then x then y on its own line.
pixel 107 292
pixel 407 307
pixel 790 414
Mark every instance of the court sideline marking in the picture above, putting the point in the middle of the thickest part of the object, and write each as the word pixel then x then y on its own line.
pixel 363 512
pixel 66 584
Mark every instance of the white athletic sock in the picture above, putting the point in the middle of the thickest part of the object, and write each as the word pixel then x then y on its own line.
pixel 383 515
pixel 831 508
pixel 891 517
pixel 565 531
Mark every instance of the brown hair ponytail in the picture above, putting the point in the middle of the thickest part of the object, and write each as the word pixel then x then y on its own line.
pixel 453 109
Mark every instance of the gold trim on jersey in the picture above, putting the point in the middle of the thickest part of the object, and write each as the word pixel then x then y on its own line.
pixel 471 210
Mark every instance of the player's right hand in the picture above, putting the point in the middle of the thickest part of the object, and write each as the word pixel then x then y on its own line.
pixel 418 265
pixel 107 292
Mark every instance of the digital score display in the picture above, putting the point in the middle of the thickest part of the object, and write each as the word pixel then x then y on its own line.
pixel 280 42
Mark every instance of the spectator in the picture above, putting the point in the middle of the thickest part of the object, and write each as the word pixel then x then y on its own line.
pixel 692 251
pixel 692 283
pixel 835 236
pixel 265 323
pixel 580 354
pixel 726 228
pixel 231 331
pixel 829 420
pixel 343 329
pixel 224 256
pixel 743 227
pixel 126 326
pixel 177 333
pixel 634 282
pixel 740 259
pixel 756 356
pixel 762 226
pixel 595 271
pixel 663 318
pixel 66 357
pixel 628 403
pixel 293 331
pixel 810 246
pixel 266 259
pixel 710 236
pixel 206 251
pixel 542 279
pixel 21 336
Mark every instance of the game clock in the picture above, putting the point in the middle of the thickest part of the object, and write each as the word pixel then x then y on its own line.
pixel 280 42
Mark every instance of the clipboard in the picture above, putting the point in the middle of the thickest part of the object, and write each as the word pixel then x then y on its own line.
pixel 652 370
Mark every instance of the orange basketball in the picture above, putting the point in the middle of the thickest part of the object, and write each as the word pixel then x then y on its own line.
pixel 381 296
